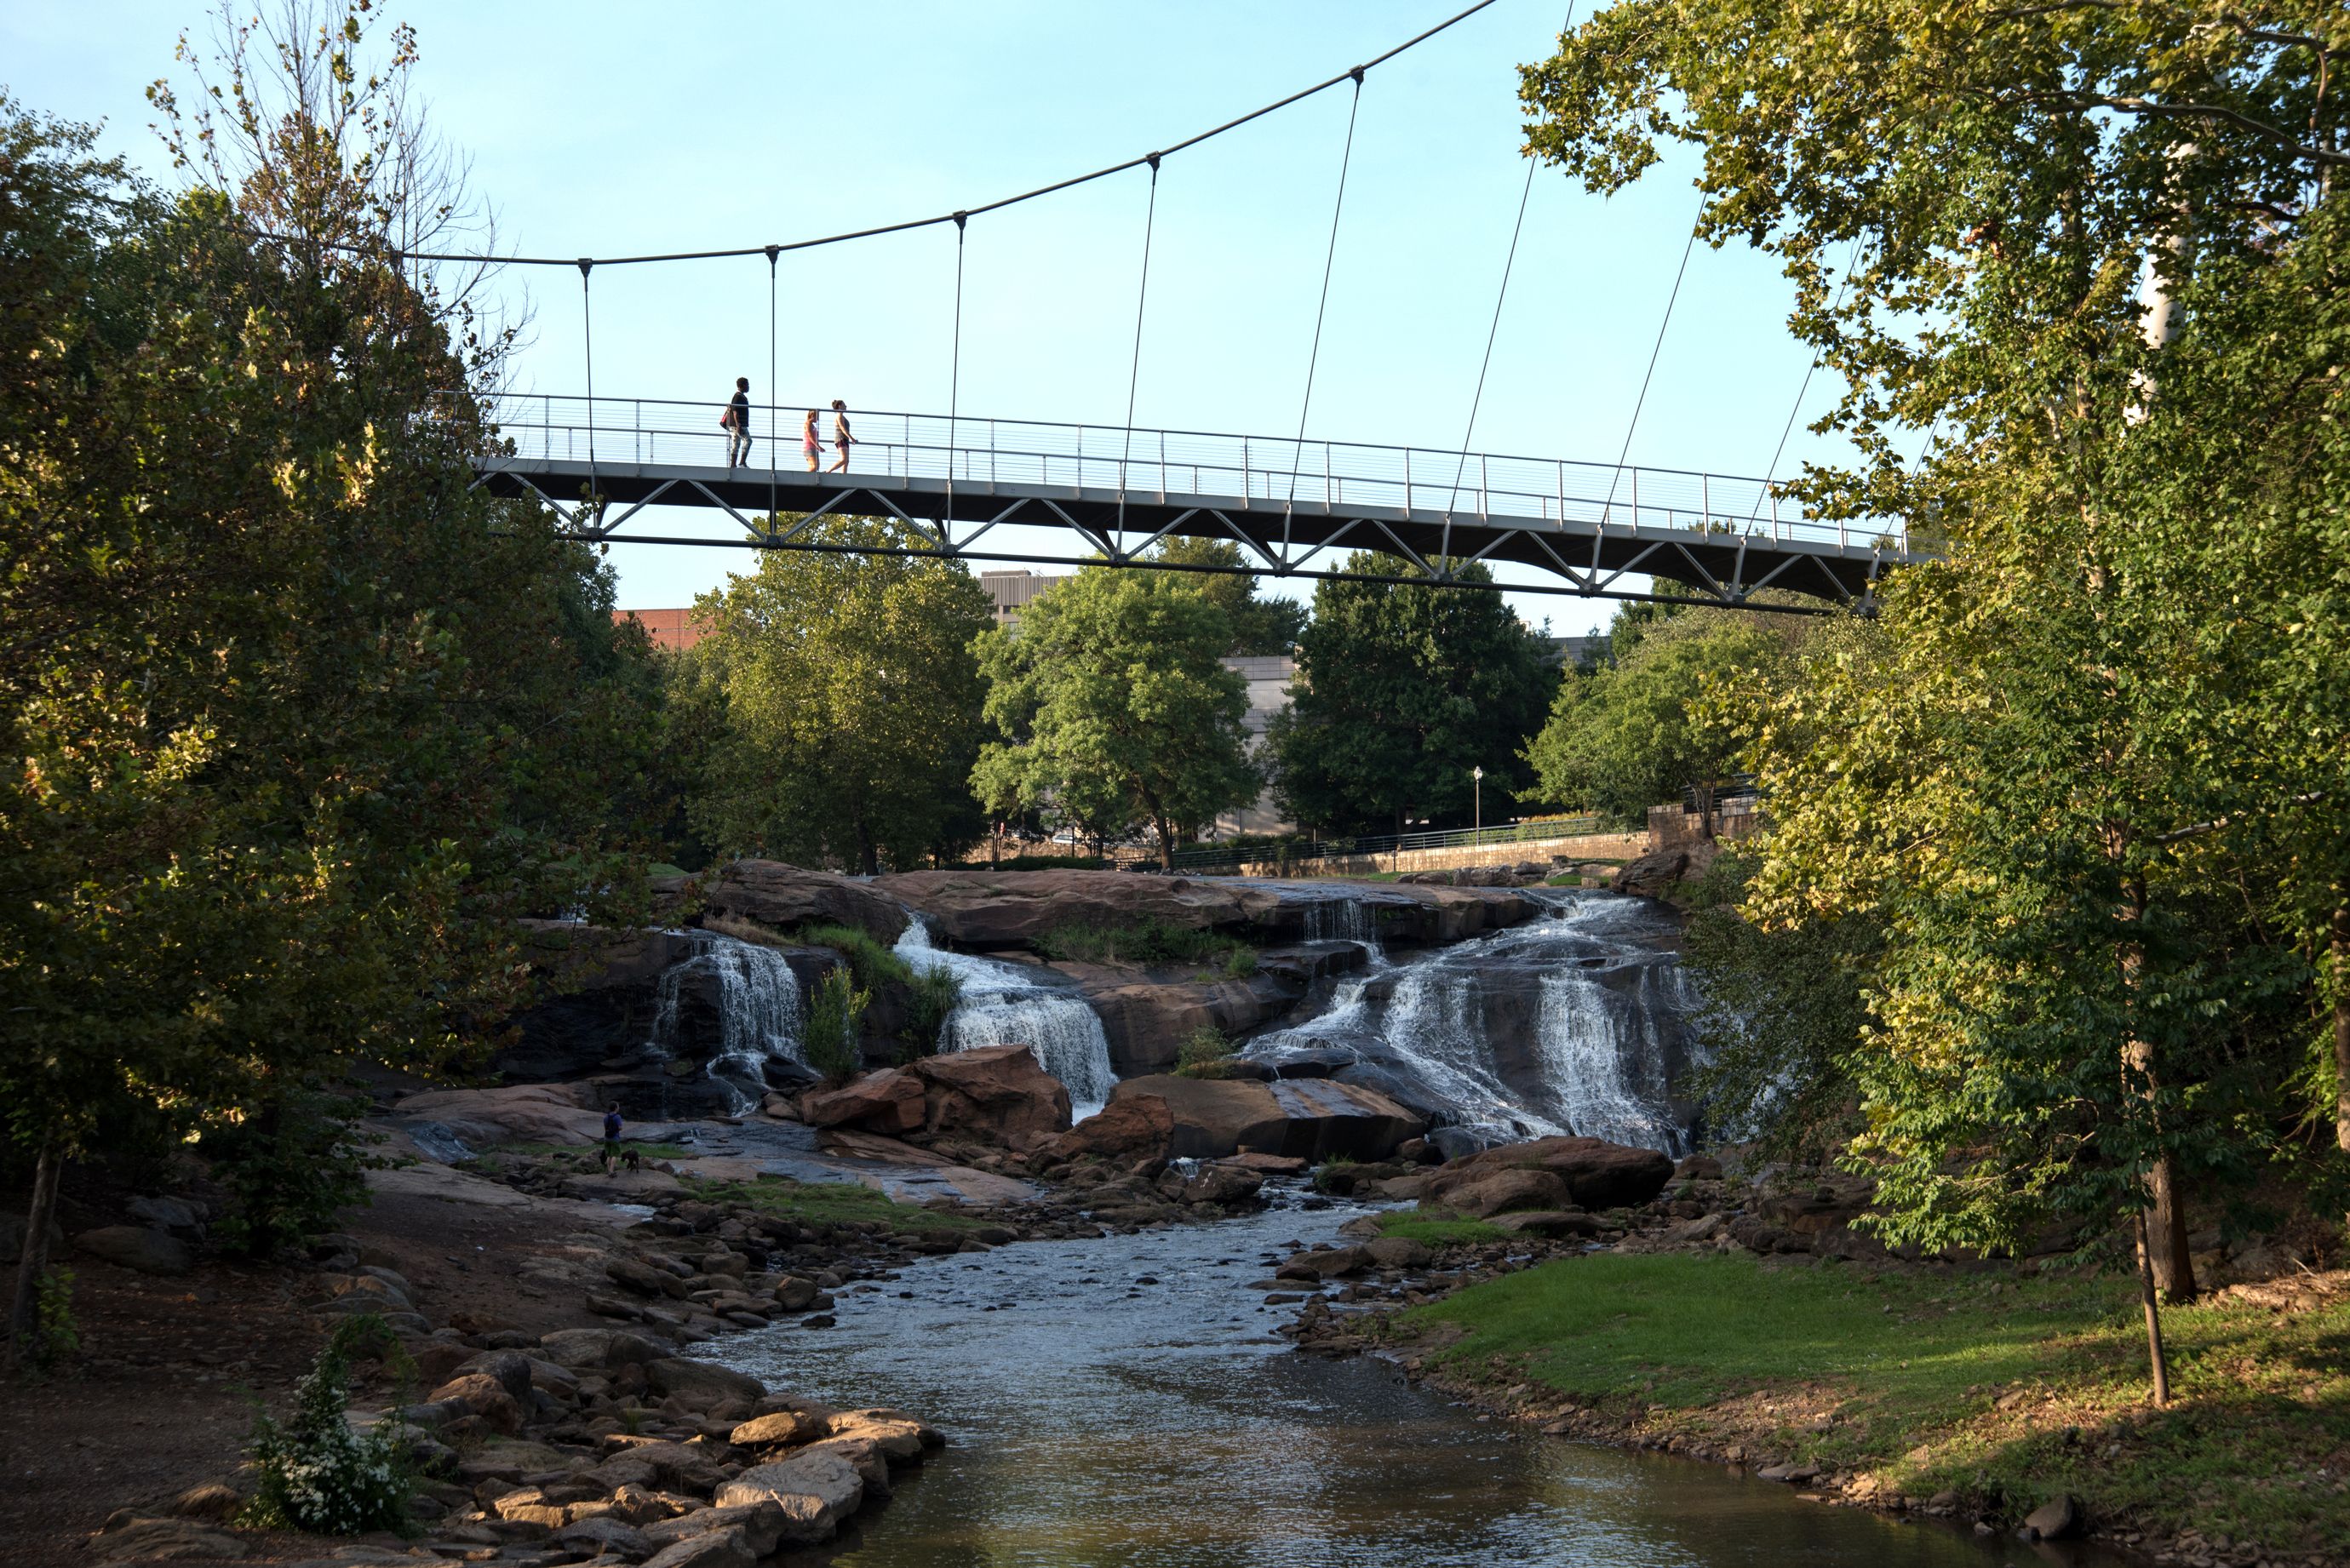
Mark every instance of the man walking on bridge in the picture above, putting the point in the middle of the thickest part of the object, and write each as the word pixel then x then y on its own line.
pixel 737 422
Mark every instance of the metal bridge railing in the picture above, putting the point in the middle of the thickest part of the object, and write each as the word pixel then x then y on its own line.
pixel 1183 467
pixel 1207 857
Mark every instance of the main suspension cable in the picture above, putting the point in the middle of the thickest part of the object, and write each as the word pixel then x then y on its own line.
pixel 1649 374
pixel 1355 74
pixel 1772 471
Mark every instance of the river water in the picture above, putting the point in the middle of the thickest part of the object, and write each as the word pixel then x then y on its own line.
pixel 1123 1403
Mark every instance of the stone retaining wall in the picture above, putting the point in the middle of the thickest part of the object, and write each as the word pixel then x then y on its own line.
pixel 1579 848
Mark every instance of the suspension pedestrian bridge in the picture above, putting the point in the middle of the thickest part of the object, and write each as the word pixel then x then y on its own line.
pixel 968 488
pixel 1112 494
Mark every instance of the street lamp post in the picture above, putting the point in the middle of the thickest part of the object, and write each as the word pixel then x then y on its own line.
pixel 1477 783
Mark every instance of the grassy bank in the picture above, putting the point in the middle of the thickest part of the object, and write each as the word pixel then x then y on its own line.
pixel 2001 1389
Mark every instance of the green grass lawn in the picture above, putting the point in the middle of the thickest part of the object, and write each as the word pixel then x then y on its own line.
pixel 831 1203
pixel 2005 1388
pixel 1419 1227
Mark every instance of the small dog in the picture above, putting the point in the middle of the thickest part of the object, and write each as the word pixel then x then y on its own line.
pixel 631 1159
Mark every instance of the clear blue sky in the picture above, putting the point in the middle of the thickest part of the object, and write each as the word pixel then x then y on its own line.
pixel 607 129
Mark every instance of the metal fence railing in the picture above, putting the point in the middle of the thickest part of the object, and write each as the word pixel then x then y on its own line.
pixel 1290 852
pixel 1183 467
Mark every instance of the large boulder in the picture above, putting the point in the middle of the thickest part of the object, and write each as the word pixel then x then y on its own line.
pixel 1497 1190
pixel 1137 1127
pixel 815 1490
pixel 1655 873
pixel 137 1248
pixel 889 1102
pixel 1596 1174
pixel 700 1384
pixel 1209 1118
pixel 520 1113
pixel 995 1093
pixel 779 896
pixel 977 908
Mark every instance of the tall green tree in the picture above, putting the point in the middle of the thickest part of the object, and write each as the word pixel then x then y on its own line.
pixel 1634 732
pixel 2101 250
pixel 1401 691
pixel 1261 626
pixel 1113 707
pixel 837 702
pixel 298 722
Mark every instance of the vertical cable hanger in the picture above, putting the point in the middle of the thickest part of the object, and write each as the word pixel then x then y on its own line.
pixel 1649 374
pixel 587 341
pixel 772 408
pixel 954 388
pixel 1133 374
pixel 1477 399
pixel 1329 260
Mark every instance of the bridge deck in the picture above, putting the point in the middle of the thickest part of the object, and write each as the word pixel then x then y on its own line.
pixel 1584 527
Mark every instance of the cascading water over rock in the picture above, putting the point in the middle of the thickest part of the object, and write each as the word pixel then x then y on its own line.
pixel 757 1006
pixel 1576 1022
pixel 1003 1004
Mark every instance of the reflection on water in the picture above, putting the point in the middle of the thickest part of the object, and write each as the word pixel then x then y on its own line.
pixel 1123 1404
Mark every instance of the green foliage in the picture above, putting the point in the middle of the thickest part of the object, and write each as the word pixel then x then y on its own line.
pixel 1335 1175
pixel 1148 941
pixel 836 1014
pixel 1631 732
pixel 1912 1366
pixel 1239 963
pixel 2072 811
pixel 874 965
pixel 1259 626
pixel 833 703
pixel 56 1337
pixel 1204 1047
pixel 1781 1011
pixel 313 1472
pixel 298 722
pixel 936 992
pixel 1046 863
pixel 290 1165
pixel 1401 691
pixel 1114 709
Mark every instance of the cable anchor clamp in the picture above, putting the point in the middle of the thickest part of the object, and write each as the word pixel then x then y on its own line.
pixel 585 262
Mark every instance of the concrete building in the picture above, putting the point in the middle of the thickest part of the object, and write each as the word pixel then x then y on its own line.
pixel 1269 678
pixel 1014 590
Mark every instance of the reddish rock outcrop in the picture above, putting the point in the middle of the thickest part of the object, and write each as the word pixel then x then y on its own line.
pixel 780 896
pixel 1139 1126
pixel 888 1102
pixel 1596 1174
pixel 980 908
pixel 997 1093
pixel 1208 1118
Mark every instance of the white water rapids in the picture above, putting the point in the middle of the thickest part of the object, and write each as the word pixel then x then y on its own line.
pixel 759 1015
pixel 1003 1004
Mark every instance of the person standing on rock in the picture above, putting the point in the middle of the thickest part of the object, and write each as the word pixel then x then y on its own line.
pixel 612 1140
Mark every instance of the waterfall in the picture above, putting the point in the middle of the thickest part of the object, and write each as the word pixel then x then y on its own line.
pixel 1603 1059
pixel 758 1003
pixel 1003 1004
pixel 1572 1022
pixel 1341 919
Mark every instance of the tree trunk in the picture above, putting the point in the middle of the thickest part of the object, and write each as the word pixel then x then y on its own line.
pixel 869 854
pixel 2164 1220
pixel 2342 1026
pixel 2156 1360
pixel 25 1315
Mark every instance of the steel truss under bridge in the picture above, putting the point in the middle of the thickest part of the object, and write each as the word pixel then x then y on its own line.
pixel 1586 528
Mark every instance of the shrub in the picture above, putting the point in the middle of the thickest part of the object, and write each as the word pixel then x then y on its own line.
pixel 290 1165
pixel 314 1473
pixel 875 966
pixel 937 992
pixel 1240 962
pixel 55 1335
pixel 835 1014
pixel 1204 1047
